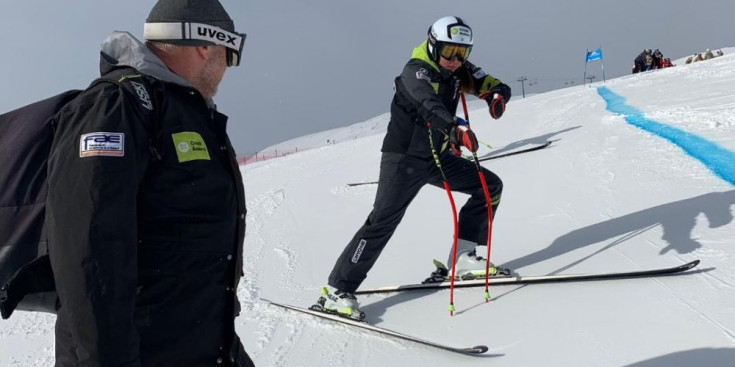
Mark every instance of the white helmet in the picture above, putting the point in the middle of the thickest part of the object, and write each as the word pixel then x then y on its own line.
pixel 450 37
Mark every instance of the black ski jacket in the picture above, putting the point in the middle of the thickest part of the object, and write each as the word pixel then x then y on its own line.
pixel 427 93
pixel 145 220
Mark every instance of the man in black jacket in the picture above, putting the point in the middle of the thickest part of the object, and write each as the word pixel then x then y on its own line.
pixel 641 62
pixel 423 113
pixel 146 207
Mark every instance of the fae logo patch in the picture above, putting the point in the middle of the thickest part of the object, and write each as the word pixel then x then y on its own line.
pixel 104 144
pixel 190 146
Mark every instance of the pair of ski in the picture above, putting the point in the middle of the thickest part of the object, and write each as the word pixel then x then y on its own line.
pixel 520 151
pixel 500 280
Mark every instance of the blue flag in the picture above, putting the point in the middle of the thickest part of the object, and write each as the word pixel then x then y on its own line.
pixel 594 55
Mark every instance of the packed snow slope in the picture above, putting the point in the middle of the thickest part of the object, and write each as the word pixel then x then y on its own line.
pixel 645 186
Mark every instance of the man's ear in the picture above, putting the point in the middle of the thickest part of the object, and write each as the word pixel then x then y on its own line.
pixel 204 52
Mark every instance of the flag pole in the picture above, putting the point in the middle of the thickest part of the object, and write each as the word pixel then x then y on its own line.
pixel 584 78
pixel 602 61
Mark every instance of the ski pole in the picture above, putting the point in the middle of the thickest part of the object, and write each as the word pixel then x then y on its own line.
pixel 488 202
pixel 485 144
pixel 438 163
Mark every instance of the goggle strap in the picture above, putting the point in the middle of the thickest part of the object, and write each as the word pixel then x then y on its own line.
pixel 194 31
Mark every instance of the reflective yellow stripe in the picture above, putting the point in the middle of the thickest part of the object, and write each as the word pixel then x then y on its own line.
pixel 495 201
pixel 488 83
pixel 421 53
pixel 130 76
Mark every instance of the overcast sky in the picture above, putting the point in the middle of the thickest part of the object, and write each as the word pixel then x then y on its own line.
pixel 314 65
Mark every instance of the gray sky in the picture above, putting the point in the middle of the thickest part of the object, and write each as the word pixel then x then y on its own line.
pixel 314 65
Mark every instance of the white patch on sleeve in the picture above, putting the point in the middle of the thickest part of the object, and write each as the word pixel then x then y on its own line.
pixel 479 74
pixel 423 74
pixel 102 144
pixel 145 97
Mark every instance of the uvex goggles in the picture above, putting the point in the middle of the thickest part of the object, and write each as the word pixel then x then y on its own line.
pixel 203 33
pixel 450 50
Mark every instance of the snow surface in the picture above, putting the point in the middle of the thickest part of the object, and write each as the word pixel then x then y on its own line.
pixel 606 196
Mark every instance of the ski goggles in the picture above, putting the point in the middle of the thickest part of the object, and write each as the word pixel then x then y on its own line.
pixel 451 50
pixel 197 34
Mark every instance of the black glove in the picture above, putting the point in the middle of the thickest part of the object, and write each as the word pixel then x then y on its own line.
pixel 462 136
pixel 497 106
pixel 496 99
pixel 503 90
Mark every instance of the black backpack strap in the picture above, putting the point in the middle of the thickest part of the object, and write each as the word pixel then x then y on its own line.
pixel 147 92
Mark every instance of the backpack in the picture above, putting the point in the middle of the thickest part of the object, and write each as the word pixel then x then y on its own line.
pixel 26 135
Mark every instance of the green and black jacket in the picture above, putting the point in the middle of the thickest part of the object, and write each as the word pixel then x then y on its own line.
pixel 427 93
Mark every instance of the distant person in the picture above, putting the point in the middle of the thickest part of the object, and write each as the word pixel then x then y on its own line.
pixel 708 55
pixel 658 58
pixel 641 61
pixel 719 53
pixel 423 113
pixel 666 63
pixel 649 63
pixel 146 208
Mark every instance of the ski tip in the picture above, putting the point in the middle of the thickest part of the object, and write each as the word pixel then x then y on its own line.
pixel 692 264
pixel 479 349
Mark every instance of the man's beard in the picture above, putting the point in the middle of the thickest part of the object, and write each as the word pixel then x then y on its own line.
pixel 209 79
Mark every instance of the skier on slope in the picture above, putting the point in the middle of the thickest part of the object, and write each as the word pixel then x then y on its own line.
pixel 424 105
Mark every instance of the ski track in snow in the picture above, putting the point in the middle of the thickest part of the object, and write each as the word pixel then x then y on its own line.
pixel 253 314
pixel 39 357
pixel 725 330
pixel 290 259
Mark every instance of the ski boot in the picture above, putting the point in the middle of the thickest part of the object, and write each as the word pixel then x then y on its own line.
pixel 472 266
pixel 338 303
pixel 469 265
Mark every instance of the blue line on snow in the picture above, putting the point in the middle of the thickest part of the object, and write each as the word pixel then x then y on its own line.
pixel 718 159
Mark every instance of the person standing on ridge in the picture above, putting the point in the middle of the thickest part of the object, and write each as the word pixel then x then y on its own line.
pixel 640 61
pixel 423 111
pixel 146 208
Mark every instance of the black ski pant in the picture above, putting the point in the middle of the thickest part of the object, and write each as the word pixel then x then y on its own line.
pixel 401 178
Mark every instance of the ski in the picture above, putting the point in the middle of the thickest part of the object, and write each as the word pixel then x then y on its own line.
pixel 363 183
pixel 531 149
pixel 477 350
pixel 513 280
pixel 526 150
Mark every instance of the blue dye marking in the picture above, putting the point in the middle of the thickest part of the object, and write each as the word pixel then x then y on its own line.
pixel 718 159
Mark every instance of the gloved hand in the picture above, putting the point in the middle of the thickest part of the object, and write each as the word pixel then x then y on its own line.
pixel 496 99
pixel 497 106
pixel 462 136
